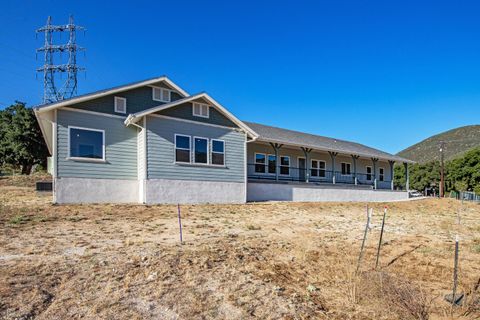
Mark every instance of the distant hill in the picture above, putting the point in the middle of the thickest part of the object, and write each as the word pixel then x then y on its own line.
pixel 457 141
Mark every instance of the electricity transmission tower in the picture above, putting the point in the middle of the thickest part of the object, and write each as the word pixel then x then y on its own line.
pixel 67 89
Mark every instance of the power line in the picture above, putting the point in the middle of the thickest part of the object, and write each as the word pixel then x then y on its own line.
pixel 68 89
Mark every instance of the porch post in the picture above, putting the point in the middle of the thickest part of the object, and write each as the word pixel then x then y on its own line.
pixel 354 159
pixel 374 161
pixel 391 162
pixel 306 152
pixel 333 155
pixel 276 147
pixel 407 178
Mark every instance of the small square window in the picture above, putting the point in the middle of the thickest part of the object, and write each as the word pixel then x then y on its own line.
pixel 120 105
pixel 161 94
pixel 200 110
pixel 86 143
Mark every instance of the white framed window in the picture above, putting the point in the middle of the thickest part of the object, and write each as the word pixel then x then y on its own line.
pixel 314 168
pixel 218 152
pixel 285 165
pixel 381 175
pixel 120 105
pixel 86 144
pixel 318 168
pixel 161 94
pixel 369 173
pixel 272 163
pixel 346 168
pixel 260 159
pixel 200 110
pixel 182 148
pixel 200 150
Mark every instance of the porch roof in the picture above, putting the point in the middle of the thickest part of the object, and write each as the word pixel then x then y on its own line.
pixel 301 139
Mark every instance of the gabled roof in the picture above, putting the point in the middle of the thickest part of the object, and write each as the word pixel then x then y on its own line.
pixel 105 92
pixel 133 118
pixel 301 139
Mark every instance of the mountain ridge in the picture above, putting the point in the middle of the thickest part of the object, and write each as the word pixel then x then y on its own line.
pixel 457 141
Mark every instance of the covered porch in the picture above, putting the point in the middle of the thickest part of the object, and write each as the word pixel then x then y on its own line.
pixel 273 162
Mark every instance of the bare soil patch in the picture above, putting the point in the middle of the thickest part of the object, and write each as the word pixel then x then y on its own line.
pixel 265 261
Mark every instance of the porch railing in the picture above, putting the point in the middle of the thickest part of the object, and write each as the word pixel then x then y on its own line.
pixel 258 171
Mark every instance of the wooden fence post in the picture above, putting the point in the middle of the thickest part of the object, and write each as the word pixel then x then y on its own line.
pixel 180 223
pixel 367 227
pixel 381 236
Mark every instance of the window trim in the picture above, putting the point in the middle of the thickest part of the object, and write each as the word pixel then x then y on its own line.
pixel 280 166
pixel 116 98
pixel 350 166
pixel 175 148
pixel 366 173
pixel 324 168
pixel 85 158
pixel 224 152
pixel 314 169
pixel 267 164
pixel 262 164
pixel 318 168
pixel 199 115
pixel 161 94
pixel 381 176
pixel 208 155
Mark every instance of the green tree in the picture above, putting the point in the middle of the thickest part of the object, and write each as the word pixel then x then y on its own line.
pixel 21 141
pixel 463 173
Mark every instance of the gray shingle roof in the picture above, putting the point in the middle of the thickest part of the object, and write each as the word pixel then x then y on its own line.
pixel 296 138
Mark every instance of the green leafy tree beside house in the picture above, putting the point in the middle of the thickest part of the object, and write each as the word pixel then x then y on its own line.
pixel 21 141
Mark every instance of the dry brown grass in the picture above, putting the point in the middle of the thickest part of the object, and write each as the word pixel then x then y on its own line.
pixel 265 261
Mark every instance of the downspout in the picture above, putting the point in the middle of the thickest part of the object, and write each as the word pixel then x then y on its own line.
pixel 143 177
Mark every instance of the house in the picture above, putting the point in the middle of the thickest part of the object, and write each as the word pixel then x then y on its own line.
pixel 152 142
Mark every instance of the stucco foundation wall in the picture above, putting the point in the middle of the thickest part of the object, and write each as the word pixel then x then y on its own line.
pixel 86 190
pixel 297 192
pixel 167 191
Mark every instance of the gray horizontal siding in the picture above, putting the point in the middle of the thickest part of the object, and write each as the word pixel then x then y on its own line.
pixel 138 99
pixel 160 151
pixel 120 147
pixel 184 111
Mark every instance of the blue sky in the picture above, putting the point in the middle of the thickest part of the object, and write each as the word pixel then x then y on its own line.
pixel 384 73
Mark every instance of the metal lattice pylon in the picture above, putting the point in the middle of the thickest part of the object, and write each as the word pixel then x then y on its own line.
pixel 68 88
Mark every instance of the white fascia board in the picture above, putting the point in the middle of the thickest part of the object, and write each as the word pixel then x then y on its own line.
pixel 112 91
pixel 41 122
pixel 343 152
pixel 132 118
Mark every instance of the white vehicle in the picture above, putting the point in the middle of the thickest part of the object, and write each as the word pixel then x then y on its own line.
pixel 415 194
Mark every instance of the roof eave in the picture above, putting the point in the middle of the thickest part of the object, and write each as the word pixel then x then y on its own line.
pixel 132 118
pixel 87 97
pixel 396 159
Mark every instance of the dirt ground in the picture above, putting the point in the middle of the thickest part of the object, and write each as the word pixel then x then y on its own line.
pixel 264 261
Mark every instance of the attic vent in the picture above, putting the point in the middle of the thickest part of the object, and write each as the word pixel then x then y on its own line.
pixel 200 110
pixel 161 94
pixel 120 105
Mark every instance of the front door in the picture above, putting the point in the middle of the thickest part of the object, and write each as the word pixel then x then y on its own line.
pixel 301 169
